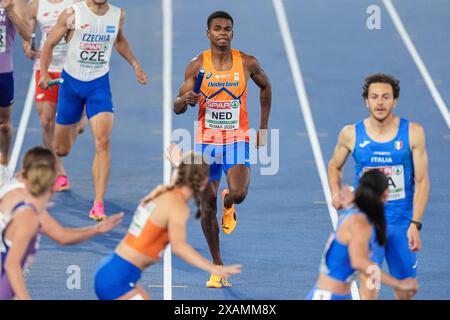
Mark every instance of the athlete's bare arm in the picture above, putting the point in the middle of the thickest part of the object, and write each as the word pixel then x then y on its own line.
pixel 32 9
pixel 23 228
pixel 422 181
pixel 344 147
pixel 64 24
pixel 16 11
pixel 186 96
pixel 66 236
pixel 254 70
pixel 178 218
pixel 123 47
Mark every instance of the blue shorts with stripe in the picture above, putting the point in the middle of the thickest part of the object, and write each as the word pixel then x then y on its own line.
pixel 402 262
pixel 223 157
pixel 75 94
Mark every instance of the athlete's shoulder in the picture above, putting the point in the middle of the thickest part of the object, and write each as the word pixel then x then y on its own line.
pixel 116 9
pixel 32 8
pixel 416 135
pixel 416 128
pixel 174 205
pixel 248 60
pixel 348 132
pixel 359 224
pixel 197 60
pixel 195 64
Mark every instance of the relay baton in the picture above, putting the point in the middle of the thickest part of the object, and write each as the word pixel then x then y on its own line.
pixel 55 82
pixel 198 82
pixel 33 42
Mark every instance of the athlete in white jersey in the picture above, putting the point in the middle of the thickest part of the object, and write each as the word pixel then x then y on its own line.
pixel 91 29
pixel 45 13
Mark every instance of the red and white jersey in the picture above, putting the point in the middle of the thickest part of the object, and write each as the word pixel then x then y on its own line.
pixel 46 17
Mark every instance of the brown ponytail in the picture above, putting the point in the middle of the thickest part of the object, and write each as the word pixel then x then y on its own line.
pixel 191 172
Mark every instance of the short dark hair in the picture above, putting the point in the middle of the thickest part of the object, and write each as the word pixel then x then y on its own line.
pixel 381 78
pixel 219 14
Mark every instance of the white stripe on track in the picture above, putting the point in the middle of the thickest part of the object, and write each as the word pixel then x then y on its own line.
pixel 21 130
pixel 307 115
pixel 167 124
pixel 418 61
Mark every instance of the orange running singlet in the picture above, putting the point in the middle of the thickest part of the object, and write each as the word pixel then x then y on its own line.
pixel 145 236
pixel 222 115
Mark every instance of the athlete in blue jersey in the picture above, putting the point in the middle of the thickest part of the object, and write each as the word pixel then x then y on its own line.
pixel 348 248
pixel 397 147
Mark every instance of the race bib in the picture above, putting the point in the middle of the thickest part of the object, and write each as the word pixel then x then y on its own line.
pixel 140 218
pixel 396 178
pixel 93 51
pixel 2 39
pixel 222 115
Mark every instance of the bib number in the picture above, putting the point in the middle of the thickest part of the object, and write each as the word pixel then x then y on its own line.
pixel 222 115
pixel 2 39
pixel 396 180
pixel 140 218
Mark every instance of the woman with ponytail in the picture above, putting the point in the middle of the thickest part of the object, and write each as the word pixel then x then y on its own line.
pixel 159 219
pixel 24 217
pixel 361 228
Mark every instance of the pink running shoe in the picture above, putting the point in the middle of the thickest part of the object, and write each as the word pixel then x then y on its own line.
pixel 61 183
pixel 97 212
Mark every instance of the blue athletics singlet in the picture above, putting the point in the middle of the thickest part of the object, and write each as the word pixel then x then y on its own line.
pixel 394 158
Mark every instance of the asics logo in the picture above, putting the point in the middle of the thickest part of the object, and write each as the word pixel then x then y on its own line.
pixel 365 143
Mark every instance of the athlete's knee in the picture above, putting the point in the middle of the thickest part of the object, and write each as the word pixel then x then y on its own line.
pixel 62 150
pixel 47 123
pixel 102 144
pixel 238 195
pixel 5 125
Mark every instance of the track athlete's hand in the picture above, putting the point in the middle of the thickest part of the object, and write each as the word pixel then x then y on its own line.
pixel 225 271
pixel 191 98
pixel 414 238
pixel 174 154
pixel 346 197
pixel 141 76
pixel 261 138
pixel 45 79
pixel 110 223
pixel 407 289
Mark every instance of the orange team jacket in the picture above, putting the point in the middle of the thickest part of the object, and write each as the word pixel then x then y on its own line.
pixel 222 115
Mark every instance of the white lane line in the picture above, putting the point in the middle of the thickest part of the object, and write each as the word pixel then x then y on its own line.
pixel 418 61
pixel 162 286
pixel 21 130
pixel 167 124
pixel 306 110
